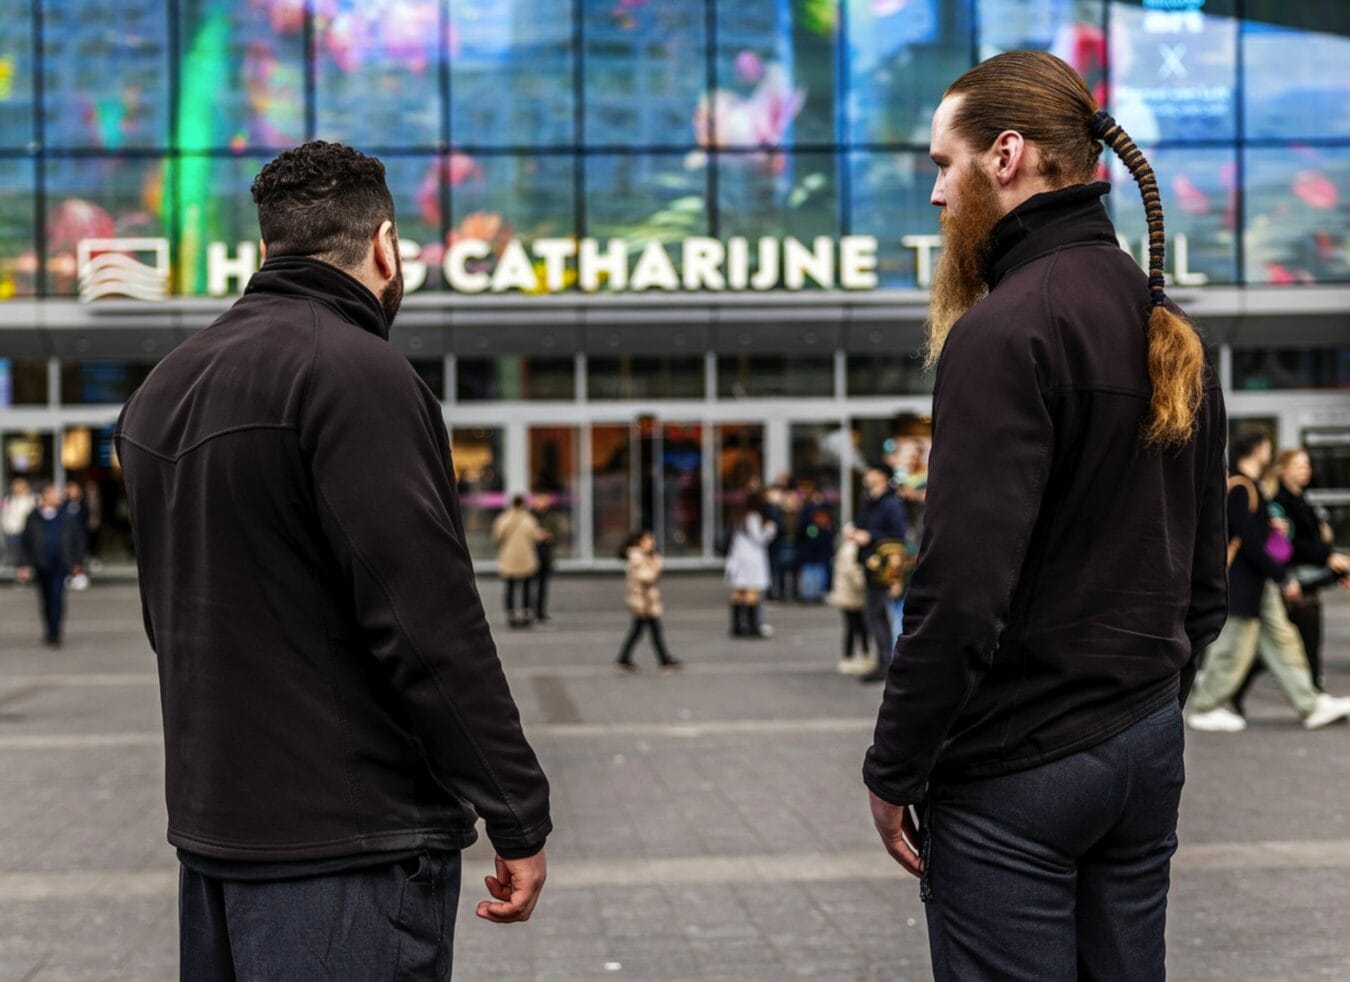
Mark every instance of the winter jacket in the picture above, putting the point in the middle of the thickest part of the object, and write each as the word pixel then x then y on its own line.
pixel 33 547
pixel 747 566
pixel 516 533
pixel 642 578
pixel 849 590
pixel 328 680
pixel 1068 574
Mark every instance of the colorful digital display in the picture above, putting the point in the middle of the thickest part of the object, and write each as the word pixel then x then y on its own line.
pixel 633 121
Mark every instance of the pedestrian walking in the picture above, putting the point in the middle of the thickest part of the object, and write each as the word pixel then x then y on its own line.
pixel 747 567
pixel 517 536
pixel 1073 552
pixel 642 584
pixel 335 714
pixel 14 511
pixel 849 594
pixel 51 549
pixel 880 535
pixel 782 509
pixel 1260 583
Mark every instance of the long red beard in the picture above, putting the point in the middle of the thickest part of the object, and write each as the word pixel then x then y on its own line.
pixel 958 283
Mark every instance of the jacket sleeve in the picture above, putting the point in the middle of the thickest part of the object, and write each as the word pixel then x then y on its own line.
pixel 1208 608
pixel 379 457
pixel 992 442
pixel 28 540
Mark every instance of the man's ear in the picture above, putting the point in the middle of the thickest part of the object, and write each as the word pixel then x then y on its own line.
pixel 386 244
pixel 262 250
pixel 1010 157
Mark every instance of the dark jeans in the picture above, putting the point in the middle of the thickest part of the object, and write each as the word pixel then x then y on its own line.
pixel 521 613
pixel 541 592
pixel 652 624
pixel 855 632
pixel 386 922
pixel 877 614
pixel 1059 872
pixel 51 588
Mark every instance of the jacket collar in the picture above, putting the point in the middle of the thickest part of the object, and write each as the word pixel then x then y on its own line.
pixel 1045 222
pixel 312 279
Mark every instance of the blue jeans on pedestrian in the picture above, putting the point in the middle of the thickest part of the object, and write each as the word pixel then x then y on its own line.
pixel 394 921
pixel 811 587
pixel 1059 872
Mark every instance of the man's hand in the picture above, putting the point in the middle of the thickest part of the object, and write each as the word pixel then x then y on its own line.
pixel 1292 591
pixel 898 833
pixel 1339 562
pixel 516 887
pixel 23 574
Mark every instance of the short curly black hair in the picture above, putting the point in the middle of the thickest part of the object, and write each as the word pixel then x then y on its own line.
pixel 323 200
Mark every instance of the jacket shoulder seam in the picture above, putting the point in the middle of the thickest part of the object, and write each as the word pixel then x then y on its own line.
pixel 174 458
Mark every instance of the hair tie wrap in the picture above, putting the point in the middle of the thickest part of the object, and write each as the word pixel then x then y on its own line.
pixel 1102 122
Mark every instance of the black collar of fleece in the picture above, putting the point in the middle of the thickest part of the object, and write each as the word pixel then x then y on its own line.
pixel 1046 222
pixel 301 276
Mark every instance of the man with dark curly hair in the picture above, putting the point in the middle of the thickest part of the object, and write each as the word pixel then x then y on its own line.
pixel 335 714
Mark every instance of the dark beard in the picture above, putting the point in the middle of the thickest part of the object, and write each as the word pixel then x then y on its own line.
pixel 958 283
pixel 391 297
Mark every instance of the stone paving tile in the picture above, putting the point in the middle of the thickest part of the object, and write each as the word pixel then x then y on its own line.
pixel 630 796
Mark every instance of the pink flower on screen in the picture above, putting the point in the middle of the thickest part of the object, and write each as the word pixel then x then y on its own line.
pixel 1315 189
pixel 749 67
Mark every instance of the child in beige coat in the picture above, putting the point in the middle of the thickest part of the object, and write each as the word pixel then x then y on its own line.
pixel 642 580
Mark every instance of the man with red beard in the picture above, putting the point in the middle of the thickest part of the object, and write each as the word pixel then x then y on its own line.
pixel 1073 557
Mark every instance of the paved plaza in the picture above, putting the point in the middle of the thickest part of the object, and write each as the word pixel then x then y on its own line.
pixel 709 825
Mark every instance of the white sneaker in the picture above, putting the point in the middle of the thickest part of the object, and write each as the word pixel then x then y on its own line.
pixel 1221 720
pixel 865 665
pixel 765 631
pixel 846 666
pixel 1327 709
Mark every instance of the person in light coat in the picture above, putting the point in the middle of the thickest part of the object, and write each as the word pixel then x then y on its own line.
pixel 747 568
pixel 849 594
pixel 642 585
pixel 516 533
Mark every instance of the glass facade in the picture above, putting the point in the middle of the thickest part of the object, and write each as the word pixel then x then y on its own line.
pixel 643 122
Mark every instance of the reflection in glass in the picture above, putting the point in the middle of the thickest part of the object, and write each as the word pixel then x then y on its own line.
pixel 100 198
pixel 612 482
pixel 816 451
pixel 16 74
pixel 769 376
pixel 777 195
pixel 740 460
pixel 1199 198
pixel 242 75
pixel 1071 30
pixel 29 454
pixel 496 199
pixel 681 489
pixel 1295 211
pixel 776 76
pixel 527 42
pixel 18 241
pixel 644 197
pixel 377 74
pixel 1269 369
pixel 1173 72
pixel 528 378
pixel 100 382
pixel 554 472
pixel 1298 97
pixel 645 71
pixel 23 382
pixel 105 73
pixel 901 56
pixel 645 377
pixel 477 454
pixel 890 192
pixel 888 374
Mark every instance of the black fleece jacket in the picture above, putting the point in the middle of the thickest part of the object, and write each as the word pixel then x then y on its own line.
pixel 1067 574
pixel 328 680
